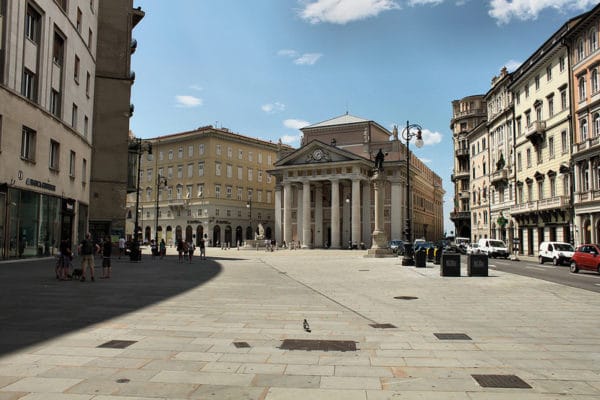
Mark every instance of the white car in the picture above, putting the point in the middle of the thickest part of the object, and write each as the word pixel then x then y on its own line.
pixel 493 248
pixel 557 252
pixel 473 248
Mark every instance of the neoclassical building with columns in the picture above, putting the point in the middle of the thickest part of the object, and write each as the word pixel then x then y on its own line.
pixel 324 196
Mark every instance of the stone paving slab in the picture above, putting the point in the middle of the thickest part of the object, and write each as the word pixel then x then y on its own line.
pixel 184 319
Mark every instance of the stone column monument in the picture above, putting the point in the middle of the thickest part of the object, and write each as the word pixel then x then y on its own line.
pixel 379 248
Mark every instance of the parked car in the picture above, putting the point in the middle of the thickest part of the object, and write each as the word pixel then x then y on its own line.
pixel 493 248
pixel 557 252
pixel 397 246
pixel 587 257
pixel 473 248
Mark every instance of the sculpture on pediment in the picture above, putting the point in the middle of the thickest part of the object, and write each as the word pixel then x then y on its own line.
pixel 379 159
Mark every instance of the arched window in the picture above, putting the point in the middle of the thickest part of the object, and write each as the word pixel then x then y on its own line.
pixel 585 178
pixel 596 119
pixel 594 80
pixel 593 39
pixel 584 129
pixel 581 87
pixel 580 50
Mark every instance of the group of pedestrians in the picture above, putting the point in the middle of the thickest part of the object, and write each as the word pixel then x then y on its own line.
pixel 87 249
pixel 185 250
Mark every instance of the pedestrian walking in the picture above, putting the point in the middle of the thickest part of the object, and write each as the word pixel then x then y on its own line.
pixel 191 249
pixel 121 247
pixel 180 250
pixel 64 261
pixel 87 249
pixel 202 249
pixel 162 248
pixel 106 260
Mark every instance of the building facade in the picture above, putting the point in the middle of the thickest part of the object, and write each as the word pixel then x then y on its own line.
pixel 584 52
pixel 543 125
pixel 324 196
pixel 207 183
pixel 479 182
pixel 501 175
pixel 467 114
pixel 47 69
pixel 541 93
pixel 112 109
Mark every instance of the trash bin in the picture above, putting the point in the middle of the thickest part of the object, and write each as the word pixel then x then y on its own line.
pixel 450 264
pixel 430 254
pixel 421 258
pixel 477 265
pixel 437 256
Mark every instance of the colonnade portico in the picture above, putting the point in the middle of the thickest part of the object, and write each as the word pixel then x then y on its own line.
pixel 314 220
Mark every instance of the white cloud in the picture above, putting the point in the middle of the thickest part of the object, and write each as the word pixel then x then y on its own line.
pixel 512 65
pixel 295 123
pixel 271 108
pixel 308 59
pixel 291 139
pixel 287 53
pixel 300 59
pixel 431 138
pixel 344 11
pixel 424 2
pixel 505 10
pixel 188 101
pixel 425 160
pixel 196 87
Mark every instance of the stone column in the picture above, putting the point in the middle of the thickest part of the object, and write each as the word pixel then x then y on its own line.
pixel 318 215
pixel 299 214
pixel 306 244
pixel 379 247
pixel 366 213
pixel 278 221
pixel 335 214
pixel 287 213
pixel 356 221
pixel 396 222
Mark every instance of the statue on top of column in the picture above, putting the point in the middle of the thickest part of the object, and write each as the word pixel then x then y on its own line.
pixel 379 158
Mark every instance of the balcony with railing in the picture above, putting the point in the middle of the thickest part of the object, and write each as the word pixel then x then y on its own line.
pixel 462 152
pixel 463 194
pixel 535 132
pixel 557 202
pixel 499 178
pixel 587 144
pixel 459 175
pixel 587 197
pixel 456 215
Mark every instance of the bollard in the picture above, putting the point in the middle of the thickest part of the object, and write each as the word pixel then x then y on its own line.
pixel 430 254
pixel 450 264
pixel 477 265
pixel 437 256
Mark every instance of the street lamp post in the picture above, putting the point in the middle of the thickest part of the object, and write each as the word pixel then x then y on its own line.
pixel 408 245
pixel 249 206
pixel 159 179
pixel 137 146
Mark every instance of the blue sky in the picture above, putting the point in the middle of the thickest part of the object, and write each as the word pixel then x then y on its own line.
pixel 265 68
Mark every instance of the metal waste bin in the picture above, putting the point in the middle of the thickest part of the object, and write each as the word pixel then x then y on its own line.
pixel 421 259
pixel 450 264
pixel 477 265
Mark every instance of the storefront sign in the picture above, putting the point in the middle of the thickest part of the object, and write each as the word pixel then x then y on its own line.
pixel 224 222
pixel 43 185
pixel 194 221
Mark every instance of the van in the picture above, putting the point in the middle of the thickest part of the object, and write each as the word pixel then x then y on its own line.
pixel 557 252
pixel 493 248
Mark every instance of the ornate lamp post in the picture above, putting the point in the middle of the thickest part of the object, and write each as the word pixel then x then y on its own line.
pixel 137 147
pixel 407 135
pixel 159 179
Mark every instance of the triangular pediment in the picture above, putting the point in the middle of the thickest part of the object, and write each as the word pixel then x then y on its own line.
pixel 317 152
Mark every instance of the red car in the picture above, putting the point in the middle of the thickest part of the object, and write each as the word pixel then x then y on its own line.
pixel 587 257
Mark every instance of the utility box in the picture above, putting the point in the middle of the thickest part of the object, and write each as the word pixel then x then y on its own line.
pixel 450 264
pixel 477 265
pixel 421 258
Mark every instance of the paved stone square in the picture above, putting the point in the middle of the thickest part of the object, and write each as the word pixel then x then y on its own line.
pixel 182 321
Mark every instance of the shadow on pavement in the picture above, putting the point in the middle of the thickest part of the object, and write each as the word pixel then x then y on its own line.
pixel 35 306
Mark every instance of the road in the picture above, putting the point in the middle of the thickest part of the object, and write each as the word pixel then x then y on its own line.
pixel 587 280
